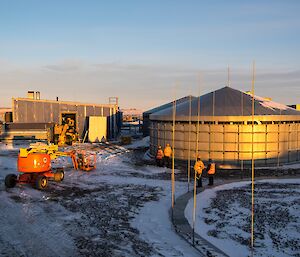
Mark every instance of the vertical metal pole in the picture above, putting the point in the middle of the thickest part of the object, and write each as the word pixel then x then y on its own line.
pixel 228 76
pixel 252 187
pixel 115 122
pixel 278 144
pixel 189 153
pixel 198 127
pixel 213 122
pixel 241 133
pixel 278 138
pixel 278 152
pixel 195 178
pixel 223 144
pixel 289 158
pixel 238 144
pixel 195 205
pixel 298 142
pixel 209 140
pixel 173 156
pixel 266 144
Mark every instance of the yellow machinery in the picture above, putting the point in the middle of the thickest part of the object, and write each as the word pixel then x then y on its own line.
pixel 51 150
pixel 66 133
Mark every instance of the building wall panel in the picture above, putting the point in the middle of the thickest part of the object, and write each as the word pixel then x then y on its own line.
pixel 106 111
pixel 32 111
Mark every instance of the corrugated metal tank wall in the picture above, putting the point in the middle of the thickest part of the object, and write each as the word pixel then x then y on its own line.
pixel 146 124
pixel 232 143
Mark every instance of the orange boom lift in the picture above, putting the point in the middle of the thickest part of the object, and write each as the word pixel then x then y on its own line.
pixel 34 165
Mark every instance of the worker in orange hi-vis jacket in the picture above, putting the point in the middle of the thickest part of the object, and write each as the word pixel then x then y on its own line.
pixel 211 170
pixel 159 157
pixel 198 168
pixel 168 153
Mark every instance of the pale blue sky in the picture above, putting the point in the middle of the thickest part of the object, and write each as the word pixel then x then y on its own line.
pixel 138 50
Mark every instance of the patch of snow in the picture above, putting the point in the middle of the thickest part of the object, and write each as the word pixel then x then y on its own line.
pixel 142 143
pixel 287 166
pixel 155 227
pixel 27 229
pixel 206 218
pixel 7 165
pixel 147 156
pixel 270 104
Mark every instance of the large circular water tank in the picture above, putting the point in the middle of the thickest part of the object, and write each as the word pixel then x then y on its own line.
pixel 225 132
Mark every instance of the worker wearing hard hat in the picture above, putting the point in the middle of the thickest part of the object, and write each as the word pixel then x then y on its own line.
pixel 211 170
pixel 198 168
pixel 159 157
pixel 167 154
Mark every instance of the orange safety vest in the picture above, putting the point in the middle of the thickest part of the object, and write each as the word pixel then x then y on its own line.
pixel 212 169
pixel 159 154
pixel 198 167
pixel 168 151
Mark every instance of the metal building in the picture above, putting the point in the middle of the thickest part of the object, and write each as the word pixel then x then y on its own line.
pixel 225 130
pixel 35 110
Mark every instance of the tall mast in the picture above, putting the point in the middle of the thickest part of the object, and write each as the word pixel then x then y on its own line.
pixel 252 162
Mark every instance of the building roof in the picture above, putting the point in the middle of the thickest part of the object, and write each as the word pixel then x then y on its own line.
pixel 168 105
pixel 225 102
pixel 4 109
pixel 63 102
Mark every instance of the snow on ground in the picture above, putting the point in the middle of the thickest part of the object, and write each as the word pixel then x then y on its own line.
pixel 286 166
pixel 156 228
pixel 119 209
pixel 224 217
pixel 31 226
pixel 145 142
